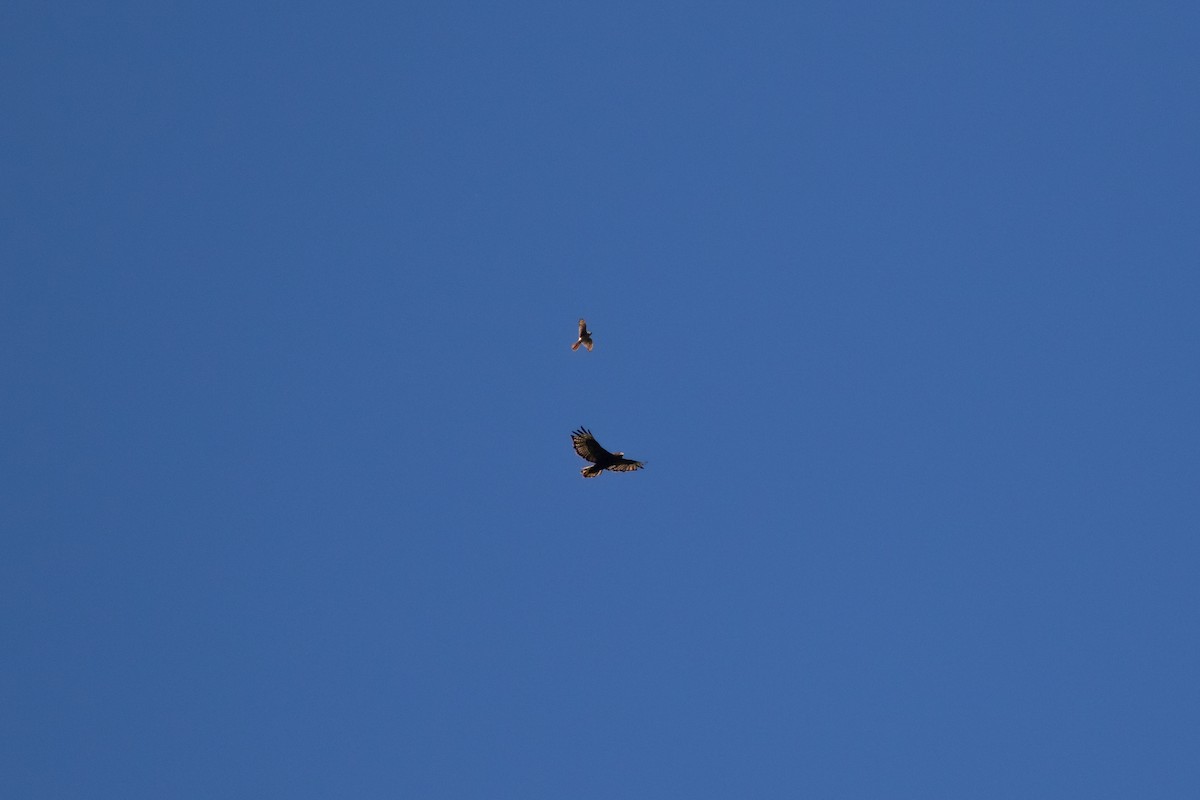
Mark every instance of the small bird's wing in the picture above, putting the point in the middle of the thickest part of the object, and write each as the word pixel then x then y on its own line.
pixel 587 342
pixel 589 449
pixel 583 331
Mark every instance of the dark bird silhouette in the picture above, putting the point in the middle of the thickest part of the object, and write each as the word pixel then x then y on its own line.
pixel 590 450
pixel 585 337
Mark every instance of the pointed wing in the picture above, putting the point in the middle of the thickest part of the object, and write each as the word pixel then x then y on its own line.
pixel 589 449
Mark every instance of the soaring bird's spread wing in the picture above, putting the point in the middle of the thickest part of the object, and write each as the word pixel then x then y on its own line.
pixel 626 465
pixel 583 331
pixel 589 449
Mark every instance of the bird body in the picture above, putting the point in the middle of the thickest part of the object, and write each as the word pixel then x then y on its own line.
pixel 590 450
pixel 585 337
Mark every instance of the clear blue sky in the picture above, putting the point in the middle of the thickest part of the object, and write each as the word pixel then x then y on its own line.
pixel 898 301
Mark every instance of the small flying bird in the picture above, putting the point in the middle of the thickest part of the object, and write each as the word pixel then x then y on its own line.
pixel 585 337
pixel 587 447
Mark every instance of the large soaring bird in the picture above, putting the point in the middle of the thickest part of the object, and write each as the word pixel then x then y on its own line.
pixel 585 337
pixel 587 447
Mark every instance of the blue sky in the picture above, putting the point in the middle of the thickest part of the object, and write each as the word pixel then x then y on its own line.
pixel 897 302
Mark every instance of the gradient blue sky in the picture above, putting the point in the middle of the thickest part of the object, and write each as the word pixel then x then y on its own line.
pixel 898 302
